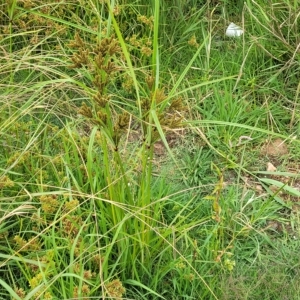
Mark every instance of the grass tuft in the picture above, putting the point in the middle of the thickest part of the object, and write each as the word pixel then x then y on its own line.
pixel 144 154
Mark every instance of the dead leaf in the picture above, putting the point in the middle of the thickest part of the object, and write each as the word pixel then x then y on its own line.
pixel 271 167
pixel 259 188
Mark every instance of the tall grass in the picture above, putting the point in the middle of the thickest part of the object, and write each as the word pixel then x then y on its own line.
pixel 88 91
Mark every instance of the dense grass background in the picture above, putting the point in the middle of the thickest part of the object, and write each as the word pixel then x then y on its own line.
pixel 144 154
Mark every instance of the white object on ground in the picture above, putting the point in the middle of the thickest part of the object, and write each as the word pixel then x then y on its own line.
pixel 234 30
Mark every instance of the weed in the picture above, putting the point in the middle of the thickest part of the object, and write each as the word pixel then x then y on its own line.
pixel 89 90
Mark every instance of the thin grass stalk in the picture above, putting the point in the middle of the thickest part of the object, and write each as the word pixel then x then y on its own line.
pixel 155 55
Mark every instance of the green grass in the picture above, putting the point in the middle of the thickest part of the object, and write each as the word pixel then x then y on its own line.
pixel 133 161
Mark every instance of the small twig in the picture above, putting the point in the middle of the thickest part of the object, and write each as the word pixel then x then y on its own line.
pixel 241 138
